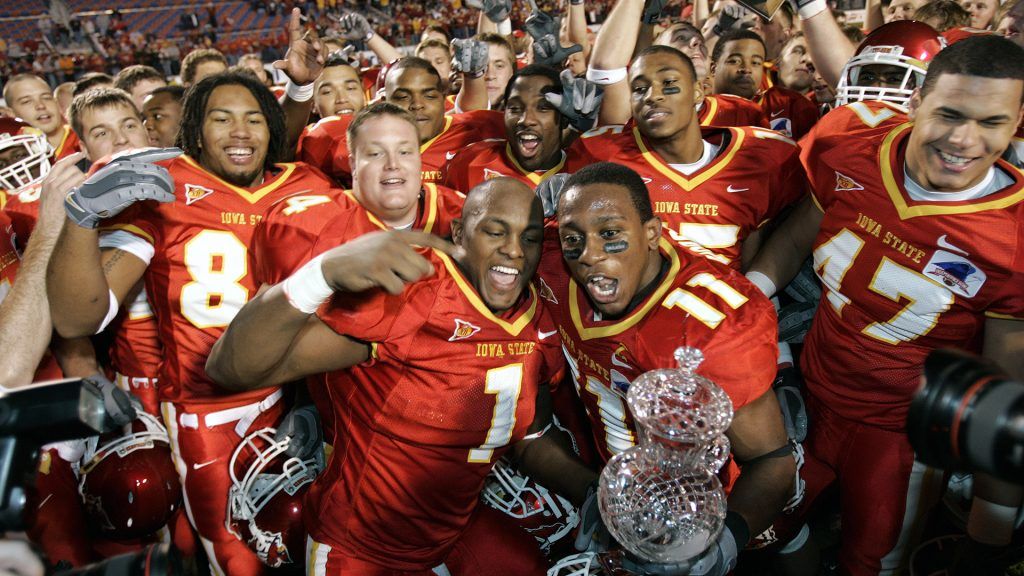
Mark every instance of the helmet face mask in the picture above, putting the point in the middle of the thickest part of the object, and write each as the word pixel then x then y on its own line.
pixel 128 484
pixel 265 500
pixel 899 49
pixel 544 514
pixel 24 155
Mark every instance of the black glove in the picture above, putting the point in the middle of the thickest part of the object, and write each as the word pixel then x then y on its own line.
pixel 495 10
pixel 652 11
pixel 119 407
pixel 728 17
pixel 788 385
pixel 355 27
pixel 301 426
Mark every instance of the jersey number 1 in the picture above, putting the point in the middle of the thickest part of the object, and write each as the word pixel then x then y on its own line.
pixel 505 383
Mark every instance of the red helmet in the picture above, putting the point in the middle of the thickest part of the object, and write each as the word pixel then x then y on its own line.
pixel 544 514
pixel 128 483
pixel 265 500
pixel 24 154
pixel 905 44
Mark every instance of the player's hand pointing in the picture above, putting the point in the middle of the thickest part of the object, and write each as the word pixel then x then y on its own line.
pixel 388 260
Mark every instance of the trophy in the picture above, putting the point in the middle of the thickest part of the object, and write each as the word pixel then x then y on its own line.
pixel 662 499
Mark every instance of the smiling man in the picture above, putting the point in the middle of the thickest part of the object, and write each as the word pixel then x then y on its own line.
pixel 532 148
pixel 915 234
pixel 625 298
pixel 713 188
pixel 32 101
pixel 192 252
pixel 462 350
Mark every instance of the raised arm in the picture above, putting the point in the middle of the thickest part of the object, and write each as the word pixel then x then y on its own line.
pixel 25 326
pixel 830 49
pixel 613 50
pixel 302 64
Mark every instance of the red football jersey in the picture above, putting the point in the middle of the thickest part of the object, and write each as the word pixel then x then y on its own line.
pixel 698 303
pixel 756 174
pixel 198 275
pixel 69 144
pixel 491 159
pixel 136 353
pixel 788 111
pixel 902 277
pixel 23 210
pixel 9 258
pixel 450 387
pixel 1018 143
pixel 460 130
pixel 725 110
pixel 325 145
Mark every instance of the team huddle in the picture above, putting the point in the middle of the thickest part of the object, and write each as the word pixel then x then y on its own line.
pixel 398 339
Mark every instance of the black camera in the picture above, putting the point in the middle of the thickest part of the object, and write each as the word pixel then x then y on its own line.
pixel 968 416
pixel 48 412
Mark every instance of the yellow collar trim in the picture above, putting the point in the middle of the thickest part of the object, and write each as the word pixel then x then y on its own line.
pixel 514 327
pixel 638 314
pixel 256 194
pixel 447 125
pixel 709 172
pixel 529 174
pixel 712 107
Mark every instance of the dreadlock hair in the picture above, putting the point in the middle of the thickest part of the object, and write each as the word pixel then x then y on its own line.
pixel 193 113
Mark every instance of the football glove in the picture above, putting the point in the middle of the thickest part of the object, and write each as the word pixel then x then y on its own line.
pixel 788 384
pixel 652 11
pixel 120 407
pixel 355 27
pixel 579 102
pixel 122 182
pixel 469 56
pixel 495 10
pixel 592 535
pixel 301 426
pixel 549 191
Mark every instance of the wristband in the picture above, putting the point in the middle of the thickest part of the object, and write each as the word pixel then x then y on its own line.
pixel 812 8
pixel 307 288
pixel 505 27
pixel 763 283
pixel 297 92
pixel 606 77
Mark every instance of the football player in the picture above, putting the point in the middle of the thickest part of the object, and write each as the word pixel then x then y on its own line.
pixel 191 249
pixel 713 188
pixel 614 48
pixel 455 376
pixel 625 298
pixel 737 68
pixel 30 98
pixel 913 229
pixel 532 148
pixel 161 113
pixel 414 84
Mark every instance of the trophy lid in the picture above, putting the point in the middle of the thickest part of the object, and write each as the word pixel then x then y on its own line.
pixel 679 404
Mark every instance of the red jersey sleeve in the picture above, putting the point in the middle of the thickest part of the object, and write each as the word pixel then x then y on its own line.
pixel 325 146
pixel 485 123
pixel 455 174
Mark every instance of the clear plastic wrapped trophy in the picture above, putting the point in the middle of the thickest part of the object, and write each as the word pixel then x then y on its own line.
pixel 662 499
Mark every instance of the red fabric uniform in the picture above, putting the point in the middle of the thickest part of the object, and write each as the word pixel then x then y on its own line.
pixel 459 131
pixel 69 144
pixel 197 280
pixel 788 111
pixel 725 110
pixel 450 387
pixel 698 303
pixel 136 353
pixel 901 277
pixel 22 207
pixel 756 174
pixel 325 145
pixel 491 159
pixel 289 236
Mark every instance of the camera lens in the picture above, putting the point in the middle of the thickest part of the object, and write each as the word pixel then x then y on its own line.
pixel 968 416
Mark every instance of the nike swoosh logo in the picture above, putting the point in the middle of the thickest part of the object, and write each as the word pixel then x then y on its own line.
pixel 732 190
pixel 944 244
pixel 620 363
pixel 449 155
pixel 776 113
pixel 542 335
pixel 203 465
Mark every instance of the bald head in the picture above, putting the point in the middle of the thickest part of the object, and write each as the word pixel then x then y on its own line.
pixel 500 234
